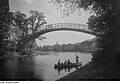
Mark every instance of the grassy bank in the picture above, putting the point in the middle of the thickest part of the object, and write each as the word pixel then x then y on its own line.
pixel 87 72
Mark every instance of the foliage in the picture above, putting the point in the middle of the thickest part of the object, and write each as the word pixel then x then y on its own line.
pixel 85 46
pixel 23 27
pixel 36 20
pixel 4 25
pixel 105 21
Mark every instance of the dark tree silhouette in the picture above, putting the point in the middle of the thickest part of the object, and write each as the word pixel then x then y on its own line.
pixel 105 21
pixel 4 20
pixel 34 22
pixel 23 27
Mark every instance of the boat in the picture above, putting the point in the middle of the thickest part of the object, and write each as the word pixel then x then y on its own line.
pixel 68 65
pixel 43 53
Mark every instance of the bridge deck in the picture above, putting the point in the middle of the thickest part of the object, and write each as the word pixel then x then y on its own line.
pixel 65 25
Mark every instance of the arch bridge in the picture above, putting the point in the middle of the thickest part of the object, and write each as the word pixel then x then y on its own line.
pixel 65 26
pixel 56 27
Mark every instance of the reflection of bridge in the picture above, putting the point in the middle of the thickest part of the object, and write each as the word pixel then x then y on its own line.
pixel 57 27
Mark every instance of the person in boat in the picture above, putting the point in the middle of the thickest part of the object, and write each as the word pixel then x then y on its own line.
pixel 65 62
pixel 77 58
pixel 68 62
pixel 61 63
pixel 58 63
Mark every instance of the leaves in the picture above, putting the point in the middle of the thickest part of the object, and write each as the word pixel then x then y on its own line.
pixel 105 21
pixel 4 25
pixel 36 20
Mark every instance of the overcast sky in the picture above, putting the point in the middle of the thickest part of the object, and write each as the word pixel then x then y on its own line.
pixel 53 15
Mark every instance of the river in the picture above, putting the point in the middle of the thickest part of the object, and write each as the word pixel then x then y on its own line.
pixel 39 67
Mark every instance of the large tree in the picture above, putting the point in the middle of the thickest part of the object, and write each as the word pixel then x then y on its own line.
pixel 4 20
pixel 22 27
pixel 105 21
pixel 36 20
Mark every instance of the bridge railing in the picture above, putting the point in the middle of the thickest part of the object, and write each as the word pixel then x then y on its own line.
pixel 65 25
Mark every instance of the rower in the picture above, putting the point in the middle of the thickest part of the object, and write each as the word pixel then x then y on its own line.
pixel 68 62
pixel 77 58
pixel 58 62
pixel 65 62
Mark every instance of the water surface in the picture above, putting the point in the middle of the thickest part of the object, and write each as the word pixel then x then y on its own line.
pixel 39 67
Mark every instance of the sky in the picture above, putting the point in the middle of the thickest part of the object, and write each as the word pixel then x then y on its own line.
pixel 53 15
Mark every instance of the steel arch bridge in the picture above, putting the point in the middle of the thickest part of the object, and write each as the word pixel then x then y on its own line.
pixel 65 26
pixel 57 27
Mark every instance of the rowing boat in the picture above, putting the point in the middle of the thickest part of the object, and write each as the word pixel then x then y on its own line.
pixel 68 65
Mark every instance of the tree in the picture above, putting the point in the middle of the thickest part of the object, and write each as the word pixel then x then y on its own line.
pixel 18 27
pixel 23 27
pixel 36 20
pixel 105 21
pixel 4 26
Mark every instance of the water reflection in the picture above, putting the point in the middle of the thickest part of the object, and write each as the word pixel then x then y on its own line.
pixel 68 69
pixel 18 69
pixel 38 67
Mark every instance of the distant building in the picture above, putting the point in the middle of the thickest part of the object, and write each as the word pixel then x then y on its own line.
pixel 57 47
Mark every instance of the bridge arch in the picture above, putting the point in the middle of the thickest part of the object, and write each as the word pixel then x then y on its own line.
pixel 57 27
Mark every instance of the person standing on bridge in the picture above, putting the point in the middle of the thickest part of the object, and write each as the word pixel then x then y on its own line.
pixel 77 58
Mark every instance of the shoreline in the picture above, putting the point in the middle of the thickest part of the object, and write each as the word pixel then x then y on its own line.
pixel 69 51
pixel 85 73
pixel 15 54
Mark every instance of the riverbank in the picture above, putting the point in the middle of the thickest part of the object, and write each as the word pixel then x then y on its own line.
pixel 87 72
pixel 35 53
pixel 87 51
pixel 17 55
